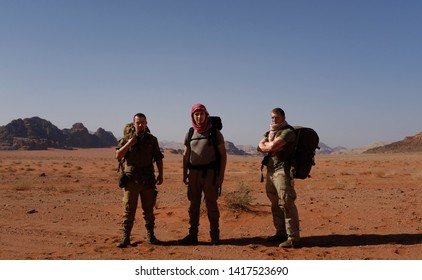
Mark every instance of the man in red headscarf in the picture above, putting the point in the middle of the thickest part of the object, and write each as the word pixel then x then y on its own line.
pixel 204 164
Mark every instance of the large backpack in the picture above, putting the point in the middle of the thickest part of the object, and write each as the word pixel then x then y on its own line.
pixel 129 132
pixel 303 157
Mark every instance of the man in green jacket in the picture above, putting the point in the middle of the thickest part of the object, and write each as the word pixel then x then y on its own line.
pixel 139 153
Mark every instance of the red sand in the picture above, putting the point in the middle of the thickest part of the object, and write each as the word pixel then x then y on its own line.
pixel 60 204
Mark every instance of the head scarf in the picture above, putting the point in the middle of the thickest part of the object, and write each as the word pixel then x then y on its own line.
pixel 206 124
pixel 274 128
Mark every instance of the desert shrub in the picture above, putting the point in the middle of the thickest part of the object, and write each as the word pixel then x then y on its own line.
pixel 239 199
pixel 21 185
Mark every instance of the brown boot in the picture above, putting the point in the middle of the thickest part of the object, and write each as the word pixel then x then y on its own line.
pixel 290 244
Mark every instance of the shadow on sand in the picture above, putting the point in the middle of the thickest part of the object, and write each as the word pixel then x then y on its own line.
pixel 338 240
pixel 335 240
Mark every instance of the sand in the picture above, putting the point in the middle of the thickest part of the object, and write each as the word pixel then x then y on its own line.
pixel 66 205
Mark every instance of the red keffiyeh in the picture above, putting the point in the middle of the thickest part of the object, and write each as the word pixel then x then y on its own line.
pixel 203 126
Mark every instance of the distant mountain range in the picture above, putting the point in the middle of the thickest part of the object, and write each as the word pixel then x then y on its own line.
pixel 39 134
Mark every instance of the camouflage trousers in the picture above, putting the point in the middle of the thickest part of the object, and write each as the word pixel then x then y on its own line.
pixel 202 181
pixel 131 193
pixel 282 195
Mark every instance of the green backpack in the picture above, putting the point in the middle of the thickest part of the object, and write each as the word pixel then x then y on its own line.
pixel 303 157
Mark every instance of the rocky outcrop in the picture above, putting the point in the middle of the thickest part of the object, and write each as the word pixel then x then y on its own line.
pixel 409 144
pixel 231 149
pixel 30 134
pixel 39 134
pixel 105 138
pixel 79 136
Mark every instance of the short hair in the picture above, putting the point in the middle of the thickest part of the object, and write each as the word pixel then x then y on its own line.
pixel 139 115
pixel 279 110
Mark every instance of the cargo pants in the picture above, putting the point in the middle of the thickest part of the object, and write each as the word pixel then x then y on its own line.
pixel 282 195
pixel 147 195
pixel 203 181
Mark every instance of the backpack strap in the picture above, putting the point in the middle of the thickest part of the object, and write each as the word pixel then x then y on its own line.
pixel 190 134
pixel 215 165
pixel 292 159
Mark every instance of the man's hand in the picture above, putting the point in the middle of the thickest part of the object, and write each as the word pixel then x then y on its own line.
pixel 185 179
pixel 159 180
pixel 132 141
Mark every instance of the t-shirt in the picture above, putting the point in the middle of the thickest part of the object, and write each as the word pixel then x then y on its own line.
pixel 278 159
pixel 202 147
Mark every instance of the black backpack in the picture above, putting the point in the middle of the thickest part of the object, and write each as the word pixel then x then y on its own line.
pixel 216 125
pixel 303 157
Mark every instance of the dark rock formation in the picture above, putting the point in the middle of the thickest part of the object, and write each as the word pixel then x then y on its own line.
pixel 233 150
pixel 30 134
pixel 39 134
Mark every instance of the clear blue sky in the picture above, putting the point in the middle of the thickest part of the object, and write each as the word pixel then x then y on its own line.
pixel 350 69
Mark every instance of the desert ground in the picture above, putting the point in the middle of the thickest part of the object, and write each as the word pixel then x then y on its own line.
pixel 66 205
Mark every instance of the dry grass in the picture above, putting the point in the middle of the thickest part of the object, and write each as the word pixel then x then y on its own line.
pixel 239 199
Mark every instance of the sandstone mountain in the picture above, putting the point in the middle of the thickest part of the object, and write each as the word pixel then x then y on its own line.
pixel 408 144
pixel 79 136
pixel 233 150
pixel 38 134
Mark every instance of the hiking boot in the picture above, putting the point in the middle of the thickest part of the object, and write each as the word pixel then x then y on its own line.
pixel 124 242
pixel 215 237
pixel 189 240
pixel 289 244
pixel 151 239
pixel 277 238
pixel 215 240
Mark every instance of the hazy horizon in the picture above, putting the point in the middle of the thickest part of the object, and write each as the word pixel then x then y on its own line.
pixel 349 69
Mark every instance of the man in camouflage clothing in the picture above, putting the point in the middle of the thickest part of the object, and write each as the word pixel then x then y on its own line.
pixel 138 152
pixel 279 143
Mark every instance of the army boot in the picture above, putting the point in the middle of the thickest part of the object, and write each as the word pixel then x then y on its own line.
pixel 151 237
pixel 289 243
pixel 125 240
pixel 215 237
pixel 278 237
pixel 191 238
